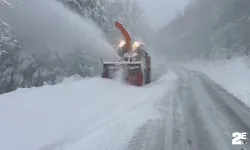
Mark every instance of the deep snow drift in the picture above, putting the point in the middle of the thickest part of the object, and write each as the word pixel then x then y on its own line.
pixel 87 114
pixel 233 75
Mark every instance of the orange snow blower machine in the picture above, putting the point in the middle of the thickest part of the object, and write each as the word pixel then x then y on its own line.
pixel 135 62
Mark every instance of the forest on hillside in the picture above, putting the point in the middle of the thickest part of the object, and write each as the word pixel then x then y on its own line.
pixel 207 29
pixel 20 67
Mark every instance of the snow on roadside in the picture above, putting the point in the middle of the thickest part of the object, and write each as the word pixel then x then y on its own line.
pixel 75 77
pixel 85 114
pixel 233 75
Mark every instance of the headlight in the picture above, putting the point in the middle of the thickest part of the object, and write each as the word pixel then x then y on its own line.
pixel 122 43
pixel 136 45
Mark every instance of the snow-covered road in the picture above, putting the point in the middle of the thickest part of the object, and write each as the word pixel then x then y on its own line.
pixel 198 115
pixel 184 110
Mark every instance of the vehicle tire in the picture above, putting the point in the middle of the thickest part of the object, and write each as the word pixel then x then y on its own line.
pixel 148 76
pixel 140 79
pixel 105 74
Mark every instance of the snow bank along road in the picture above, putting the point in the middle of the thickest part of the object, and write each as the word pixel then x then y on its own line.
pixel 196 115
pixel 181 111
pixel 87 114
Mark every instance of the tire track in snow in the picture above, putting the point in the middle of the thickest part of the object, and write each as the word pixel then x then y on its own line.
pixel 226 118
pixel 218 116
pixel 179 135
pixel 195 116
pixel 152 135
pixel 197 135
pixel 141 136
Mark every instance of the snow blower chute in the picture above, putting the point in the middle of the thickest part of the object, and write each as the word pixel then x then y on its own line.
pixel 135 61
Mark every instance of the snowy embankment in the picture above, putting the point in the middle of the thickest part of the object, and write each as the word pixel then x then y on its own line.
pixel 233 75
pixel 88 114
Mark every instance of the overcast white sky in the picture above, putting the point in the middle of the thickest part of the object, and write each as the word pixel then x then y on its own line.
pixel 161 11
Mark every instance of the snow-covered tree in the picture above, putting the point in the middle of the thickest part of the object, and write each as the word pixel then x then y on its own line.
pixel 8 44
pixel 20 67
pixel 92 9
pixel 23 67
pixel 209 29
pixel 83 63
pixel 7 41
pixel 22 70
pixel 130 13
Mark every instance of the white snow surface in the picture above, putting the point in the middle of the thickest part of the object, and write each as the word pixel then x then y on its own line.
pixel 232 75
pixel 84 114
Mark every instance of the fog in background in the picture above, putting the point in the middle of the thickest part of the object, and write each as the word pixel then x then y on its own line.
pixel 42 25
pixel 160 12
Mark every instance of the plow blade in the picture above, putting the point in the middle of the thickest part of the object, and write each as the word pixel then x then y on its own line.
pixel 124 66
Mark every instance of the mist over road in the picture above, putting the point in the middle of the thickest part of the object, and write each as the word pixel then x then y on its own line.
pixel 197 115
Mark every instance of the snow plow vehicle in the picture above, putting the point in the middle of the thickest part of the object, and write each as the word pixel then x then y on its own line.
pixel 135 62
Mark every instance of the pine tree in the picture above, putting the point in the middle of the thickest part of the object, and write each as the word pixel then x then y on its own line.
pixel 7 41
pixel 83 64
pixel 92 9
pixel 130 13
pixel 20 68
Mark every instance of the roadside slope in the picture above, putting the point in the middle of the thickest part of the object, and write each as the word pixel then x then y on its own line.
pixel 232 75
pixel 85 114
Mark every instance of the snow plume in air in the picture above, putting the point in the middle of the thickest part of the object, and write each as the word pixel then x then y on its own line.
pixel 159 64
pixel 42 25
